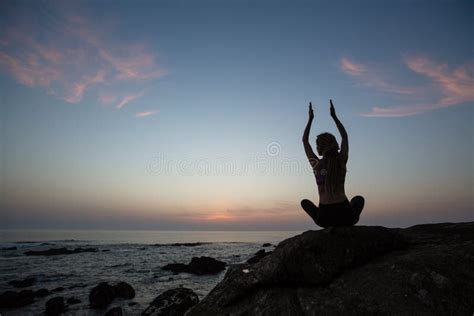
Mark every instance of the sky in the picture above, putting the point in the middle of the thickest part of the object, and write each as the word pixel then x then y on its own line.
pixel 188 115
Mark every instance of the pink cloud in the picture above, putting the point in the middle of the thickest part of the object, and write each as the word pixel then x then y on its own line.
pixel 457 86
pixel 452 87
pixel 369 78
pixel 72 57
pixel 352 68
pixel 147 113
pixel 129 98
pixel 107 99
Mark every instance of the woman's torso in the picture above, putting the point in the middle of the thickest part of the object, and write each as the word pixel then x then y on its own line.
pixel 321 177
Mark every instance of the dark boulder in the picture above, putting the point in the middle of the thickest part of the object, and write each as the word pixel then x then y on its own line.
pixel 174 302
pixel 55 306
pixel 124 290
pixel 176 267
pixel 424 269
pixel 9 299
pixel 23 283
pixel 42 293
pixel 267 244
pixel 114 311
pixel 258 255
pixel 58 289
pixel 101 295
pixel 198 265
pixel 10 248
pixel 58 251
pixel 73 300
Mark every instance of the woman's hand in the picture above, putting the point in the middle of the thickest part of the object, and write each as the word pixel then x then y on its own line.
pixel 311 113
pixel 331 109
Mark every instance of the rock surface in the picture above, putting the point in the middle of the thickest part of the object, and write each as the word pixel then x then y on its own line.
pixel 423 269
pixel 198 265
pixel 174 302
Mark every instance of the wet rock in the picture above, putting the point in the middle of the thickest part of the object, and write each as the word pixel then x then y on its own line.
pixel 176 267
pixel 42 293
pixel 58 289
pixel 124 290
pixel 10 248
pixel 198 265
pixel 132 303
pixel 73 300
pixel 174 302
pixel 424 269
pixel 23 283
pixel 55 306
pixel 267 244
pixel 258 255
pixel 101 295
pixel 9 299
pixel 58 251
pixel 114 311
pixel 183 244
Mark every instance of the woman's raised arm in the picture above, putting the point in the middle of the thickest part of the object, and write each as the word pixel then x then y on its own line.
pixel 313 159
pixel 342 131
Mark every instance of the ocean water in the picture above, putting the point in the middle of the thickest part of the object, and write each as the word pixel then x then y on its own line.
pixel 135 257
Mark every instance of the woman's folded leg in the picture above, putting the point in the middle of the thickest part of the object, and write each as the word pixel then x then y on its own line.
pixel 314 212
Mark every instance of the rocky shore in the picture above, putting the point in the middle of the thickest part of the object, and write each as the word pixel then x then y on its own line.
pixel 361 270
pixel 424 269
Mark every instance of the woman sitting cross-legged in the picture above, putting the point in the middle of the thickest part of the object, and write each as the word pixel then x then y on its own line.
pixel 330 171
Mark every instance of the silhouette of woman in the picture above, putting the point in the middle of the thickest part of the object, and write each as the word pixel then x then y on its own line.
pixel 330 171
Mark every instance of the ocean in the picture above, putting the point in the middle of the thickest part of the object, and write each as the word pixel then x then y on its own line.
pixel 135 257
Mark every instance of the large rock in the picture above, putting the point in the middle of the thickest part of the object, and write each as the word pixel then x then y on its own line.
pixel 103 294
pixel 10 299
pixel 424 269
pixel 198 265
pixel 55 306
pixel 174 302
pixel 23 283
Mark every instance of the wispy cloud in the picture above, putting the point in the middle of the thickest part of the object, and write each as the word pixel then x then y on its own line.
pixel 69 56
pixel 451 87
pixel 370 78
pixel 147 113
pixel 129 98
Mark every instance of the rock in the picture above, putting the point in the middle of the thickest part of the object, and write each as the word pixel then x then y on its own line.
pixel 176 267
pixel 23 283
pixel 55 306
pixel 10 248
pixel 11 299
pixel 42 293
pixel 198 265
pixel 73 300
pixel 132 303
pixel 258 255
pixel 58 251
pixel 105 250
pixel 114 311
pixel 124 290
pixel 101 295
pixel 58 289
pixel 267 244
pixel 174 302
pixel 358 270
pixel 205 265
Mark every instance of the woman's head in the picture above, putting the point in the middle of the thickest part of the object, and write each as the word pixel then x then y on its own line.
pixel 326 143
